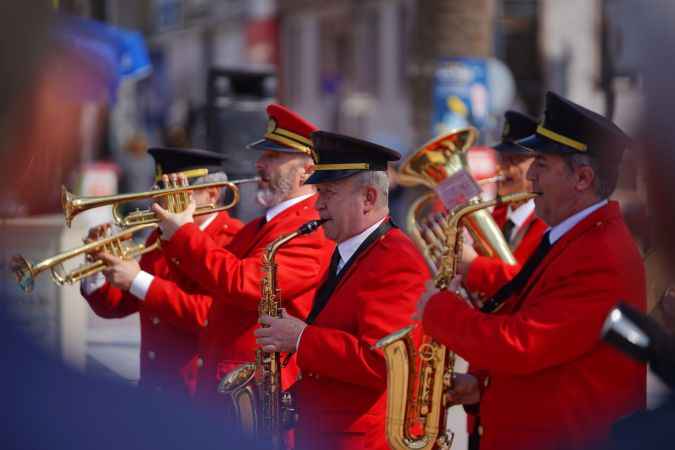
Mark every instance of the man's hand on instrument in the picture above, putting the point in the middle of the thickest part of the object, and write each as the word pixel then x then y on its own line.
pixel 95 234
pixel 279 334
pixel 468 255
pixel 431 290
pixel 465 390
pixel 432 230
pixel 170 222
pixel 120 273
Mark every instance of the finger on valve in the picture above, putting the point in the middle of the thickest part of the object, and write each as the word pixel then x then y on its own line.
pixel 187 195
pixel 165 200
pixel 438 226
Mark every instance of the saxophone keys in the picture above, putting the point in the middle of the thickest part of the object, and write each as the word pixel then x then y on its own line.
pixel 426 352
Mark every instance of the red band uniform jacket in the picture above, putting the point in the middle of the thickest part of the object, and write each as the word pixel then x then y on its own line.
pixel 172 315
pixel 341 394
pixel 486 275
pixel 234 274
pixel 552 383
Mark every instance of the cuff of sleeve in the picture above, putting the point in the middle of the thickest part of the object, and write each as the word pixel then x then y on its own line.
pixel 141 285
pixel 297 342
pixel 92 283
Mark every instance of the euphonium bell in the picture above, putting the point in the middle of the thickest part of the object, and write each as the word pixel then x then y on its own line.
pixel 432 164
pixel 25 271
pixel 177 200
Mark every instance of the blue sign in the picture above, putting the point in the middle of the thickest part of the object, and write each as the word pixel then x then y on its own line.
pixel 460 95
pixel 122 51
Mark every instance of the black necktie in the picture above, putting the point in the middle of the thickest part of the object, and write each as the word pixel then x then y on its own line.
pixel 518 282
pixel 507 230
pixel 326 288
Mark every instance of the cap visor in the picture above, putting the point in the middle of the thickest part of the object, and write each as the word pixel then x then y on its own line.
pixel 266 144
pixel 511 148
pixel 540 144
pixel 325 176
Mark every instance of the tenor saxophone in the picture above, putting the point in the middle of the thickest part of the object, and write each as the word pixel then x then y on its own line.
pixel 418 379
pixel 261 408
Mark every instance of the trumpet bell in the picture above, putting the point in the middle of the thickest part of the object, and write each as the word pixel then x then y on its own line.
pixel 69 211
pixel 23 270
pixel 26 271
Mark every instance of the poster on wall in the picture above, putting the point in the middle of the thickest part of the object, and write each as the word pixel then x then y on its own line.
pixel 472 91
pixel 460 94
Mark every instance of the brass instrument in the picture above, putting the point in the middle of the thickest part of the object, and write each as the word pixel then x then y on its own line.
pixel 261 407
pixel 431 165
pixel 26 271
pixel 418 379
pixel 177 201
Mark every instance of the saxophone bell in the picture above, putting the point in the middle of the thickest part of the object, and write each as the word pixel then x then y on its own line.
pixel 419 377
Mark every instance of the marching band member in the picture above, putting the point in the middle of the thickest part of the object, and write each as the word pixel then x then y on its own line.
pixel 543 352
pixel 521 227
pixel 233 274
pixel 369 290
pixel 172 308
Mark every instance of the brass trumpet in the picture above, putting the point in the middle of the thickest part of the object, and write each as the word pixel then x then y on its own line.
pixel 25 271
pixel 177 201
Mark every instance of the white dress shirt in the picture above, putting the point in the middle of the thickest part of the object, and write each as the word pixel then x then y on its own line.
pixel 519 215
pixel 283 206
pixel 566 225
pixel 350 246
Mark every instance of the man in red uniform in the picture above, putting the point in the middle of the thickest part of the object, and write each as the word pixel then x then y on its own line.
pixel 543 353
pixel 172 308
pixel 233 274
pixel 375 278
pixel 521 227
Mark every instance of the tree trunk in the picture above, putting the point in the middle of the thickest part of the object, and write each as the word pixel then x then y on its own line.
pixel 443 29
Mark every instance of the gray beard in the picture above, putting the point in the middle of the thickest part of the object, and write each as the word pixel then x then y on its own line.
pixel 276 193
